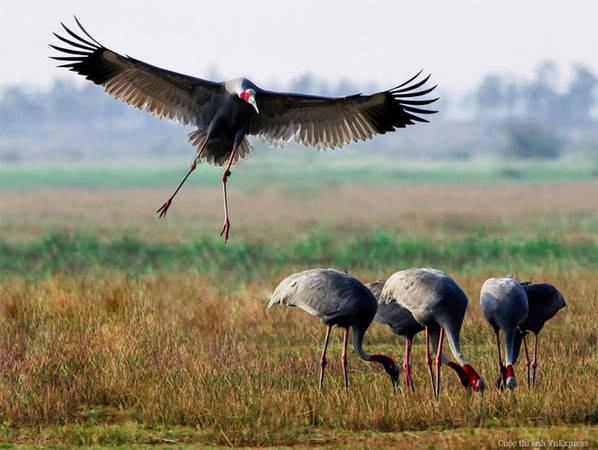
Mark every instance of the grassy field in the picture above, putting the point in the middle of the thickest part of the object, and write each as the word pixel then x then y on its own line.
pixel 120 329
pixel 281 167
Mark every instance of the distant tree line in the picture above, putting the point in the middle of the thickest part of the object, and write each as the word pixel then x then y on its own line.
pixel 532 114
pixel 64 104
pixel 535 112
pixel 539 100
pixel 497 97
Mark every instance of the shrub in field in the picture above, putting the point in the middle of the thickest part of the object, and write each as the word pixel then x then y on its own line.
pixel 532 141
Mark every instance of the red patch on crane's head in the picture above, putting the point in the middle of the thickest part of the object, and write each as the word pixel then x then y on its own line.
pixel 475 381
pixel 510 377
pixel 389 365
pixel 463 376
pixel 248 95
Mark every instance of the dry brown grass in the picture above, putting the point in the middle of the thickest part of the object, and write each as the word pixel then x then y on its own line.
pixel 565 210
pixel 105 359
pixel 169 351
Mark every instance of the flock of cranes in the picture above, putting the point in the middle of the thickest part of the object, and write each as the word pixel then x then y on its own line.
pixel 409 301
pixel 422 299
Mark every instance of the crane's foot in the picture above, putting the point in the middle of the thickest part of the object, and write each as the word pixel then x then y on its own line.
pixel 225 229
pixel 164 208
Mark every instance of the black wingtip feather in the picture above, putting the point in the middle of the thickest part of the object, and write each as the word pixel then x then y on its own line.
pixel 69 50
pixel 417 102
pixel 408 87
pixel 65 58
pixel 78 38
pixel 87 47
pixel 414 94
pixel 410 79
pixel 86 33
pixel 419 110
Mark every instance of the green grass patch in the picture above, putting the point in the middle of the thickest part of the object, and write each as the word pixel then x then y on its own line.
pixel 375 249
pixel 291 167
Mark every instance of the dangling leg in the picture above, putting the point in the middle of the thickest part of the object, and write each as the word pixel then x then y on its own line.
pixel 225 175
pixel 166 205
pixel 527 360
pixel 323 358
pixel 535 361
pixel 429 360
pixel 439 362
pixel 344 359
pixel 406 366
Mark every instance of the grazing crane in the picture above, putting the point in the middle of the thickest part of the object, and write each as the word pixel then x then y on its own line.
pixel 504 305
pixel 337 299
pixel 401 322
pixel 226 112
pixel 544 301
pixel 437 303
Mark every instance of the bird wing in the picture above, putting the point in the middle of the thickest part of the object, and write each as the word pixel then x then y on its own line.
pixel 397 286
pixel 311 290
pixel 544 301
pixel 161 92
pixel 376 287
pixel 326 293
pixel 328 122
pixel 419 290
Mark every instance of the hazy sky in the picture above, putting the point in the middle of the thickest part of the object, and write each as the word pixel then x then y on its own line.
pixel 272 42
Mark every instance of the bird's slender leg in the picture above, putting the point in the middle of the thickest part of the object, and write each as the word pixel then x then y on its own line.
pixel 429 360
pixel 528 362
pixel 535 361
pixel 225 175
pixel 439 362
pixel 323 358
pixel 406 366
pixel 501 366
pixel 344 359
pixel 164 208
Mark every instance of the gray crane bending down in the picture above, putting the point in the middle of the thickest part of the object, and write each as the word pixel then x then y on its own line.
pixel 504 305
pixel 337 299
pixel 544 301
pixel 401 322
pixel 439 304
pixel 226 112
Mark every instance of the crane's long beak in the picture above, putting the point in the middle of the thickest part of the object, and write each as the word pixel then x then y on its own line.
pixel 251 101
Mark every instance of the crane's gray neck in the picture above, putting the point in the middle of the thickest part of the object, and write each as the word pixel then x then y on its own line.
pixel 452 336
pixel 357 340
pixel 389 365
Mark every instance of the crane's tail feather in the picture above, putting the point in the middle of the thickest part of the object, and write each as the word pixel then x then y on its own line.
pixel 217 152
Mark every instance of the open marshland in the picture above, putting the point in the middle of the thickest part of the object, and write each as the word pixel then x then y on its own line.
pixel 120 329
